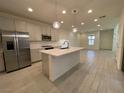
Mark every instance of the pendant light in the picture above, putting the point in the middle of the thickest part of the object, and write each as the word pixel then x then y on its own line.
pixel 56 24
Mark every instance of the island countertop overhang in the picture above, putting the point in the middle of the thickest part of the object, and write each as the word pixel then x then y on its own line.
pixel 60 52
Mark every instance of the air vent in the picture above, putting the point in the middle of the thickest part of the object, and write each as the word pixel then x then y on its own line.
pixel 101 17
pixel 74 11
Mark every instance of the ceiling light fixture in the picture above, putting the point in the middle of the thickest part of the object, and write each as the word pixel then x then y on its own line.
pixel 98 25
pixel 64 12
pixel 75 30
pixel 56 24
pixel 95 20
pixel 30 9
pixel 90 11
pixel 62 22
pixel 72 26
pixel 82 23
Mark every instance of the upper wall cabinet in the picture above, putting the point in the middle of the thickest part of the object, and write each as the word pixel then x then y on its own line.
pixel 30 28
pixel 20 25
pixel 37 32
pixel 46 30
pixel 54 34
pixel 7 24
pixel 50 32
pixel 34 32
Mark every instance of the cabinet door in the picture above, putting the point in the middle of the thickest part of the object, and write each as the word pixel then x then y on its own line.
pixel 35 55
pixel 37 36
pixel 10 51
pixel 53 34
pixel 34 32
pixel 31 30
pixel 7 23
pixel 20 25
pixel 57 35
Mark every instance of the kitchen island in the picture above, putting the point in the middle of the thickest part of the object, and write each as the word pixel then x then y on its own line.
pixel 57 62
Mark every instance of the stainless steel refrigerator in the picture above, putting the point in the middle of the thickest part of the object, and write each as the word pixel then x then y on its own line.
pixel 16 50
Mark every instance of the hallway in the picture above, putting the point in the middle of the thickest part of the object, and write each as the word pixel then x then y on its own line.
pixel 97 73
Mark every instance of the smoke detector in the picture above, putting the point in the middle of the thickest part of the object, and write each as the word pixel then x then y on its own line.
pixel 75 11
pixel 101 17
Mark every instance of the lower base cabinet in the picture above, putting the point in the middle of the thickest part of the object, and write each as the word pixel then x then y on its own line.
pixel 35 55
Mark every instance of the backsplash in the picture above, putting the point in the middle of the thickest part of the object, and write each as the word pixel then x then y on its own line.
pixel 38 45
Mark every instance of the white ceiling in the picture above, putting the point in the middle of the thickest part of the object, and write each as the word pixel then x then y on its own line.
pixel 44 10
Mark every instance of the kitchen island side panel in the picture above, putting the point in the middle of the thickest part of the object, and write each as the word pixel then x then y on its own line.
pixel 60 65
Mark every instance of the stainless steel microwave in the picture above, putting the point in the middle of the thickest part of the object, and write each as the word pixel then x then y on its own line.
pixel 46 38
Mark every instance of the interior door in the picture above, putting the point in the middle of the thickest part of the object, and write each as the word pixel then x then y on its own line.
pixel 23 45
pixel 10 51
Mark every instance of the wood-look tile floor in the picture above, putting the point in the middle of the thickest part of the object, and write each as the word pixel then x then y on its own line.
pixel 97 73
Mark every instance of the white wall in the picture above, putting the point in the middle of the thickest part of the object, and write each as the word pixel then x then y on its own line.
pixel 74 38
pixel 119 40
pixel 103 40
pixel 106 39
pixel 115 38
pixel 84 40
pixel 120 46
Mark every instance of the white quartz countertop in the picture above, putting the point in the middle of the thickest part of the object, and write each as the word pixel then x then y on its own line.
pixel 60 52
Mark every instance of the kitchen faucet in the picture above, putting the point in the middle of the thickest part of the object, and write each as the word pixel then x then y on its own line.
pixel 65 45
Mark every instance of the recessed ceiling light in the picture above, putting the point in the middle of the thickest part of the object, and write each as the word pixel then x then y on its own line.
pixel 64 12
pixel 30 9
pixel 62 22
pixel 98 25
pixel 75 30
pixel 72 26
pixel 95 20
pixel 90 11
pixel 82 23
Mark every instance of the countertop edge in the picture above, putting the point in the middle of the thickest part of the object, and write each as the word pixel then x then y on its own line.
pixel 61 54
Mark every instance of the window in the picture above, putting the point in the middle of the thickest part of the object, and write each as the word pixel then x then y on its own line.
pixel 91 39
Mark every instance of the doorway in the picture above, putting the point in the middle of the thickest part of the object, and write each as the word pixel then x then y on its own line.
pixel 123 52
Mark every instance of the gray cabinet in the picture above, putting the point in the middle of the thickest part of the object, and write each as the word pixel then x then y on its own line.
pixel 20 25
pixel 34 31
pixel 55 35
pixel 35 55
pixel 7 23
